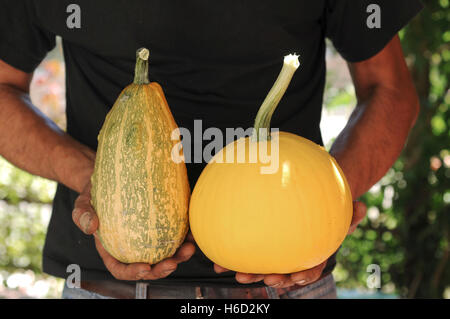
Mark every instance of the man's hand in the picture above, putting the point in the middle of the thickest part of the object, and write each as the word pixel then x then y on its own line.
pixel 86 219
pixel 301 278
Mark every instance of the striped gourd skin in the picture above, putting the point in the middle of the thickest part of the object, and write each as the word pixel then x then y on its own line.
pixel 140 194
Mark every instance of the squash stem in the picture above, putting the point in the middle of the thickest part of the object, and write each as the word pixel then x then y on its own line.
pixel 262 121
pixel 141 69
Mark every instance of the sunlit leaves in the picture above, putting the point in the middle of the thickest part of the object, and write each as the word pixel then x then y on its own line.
pixel 408 224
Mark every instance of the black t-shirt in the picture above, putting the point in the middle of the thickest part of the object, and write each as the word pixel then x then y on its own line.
pixel 216 61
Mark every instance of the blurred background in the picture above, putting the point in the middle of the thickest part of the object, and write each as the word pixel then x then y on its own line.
pixel 406 231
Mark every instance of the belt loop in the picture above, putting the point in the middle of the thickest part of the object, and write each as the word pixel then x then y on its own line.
pixel 198 293
pixel 141 290
pixel 272 293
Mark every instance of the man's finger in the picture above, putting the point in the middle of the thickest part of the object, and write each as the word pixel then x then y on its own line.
pixel 167 266
pixel 161 270
pixel 308 276
pixel 219 269
pixel 119 270
pixel 248 278
pixel 359 212
pixel 85 218
pixel 189 237
pixel 184 252
pixel 257 278
pixel 83 214
pixel 287 284
pixel 276 280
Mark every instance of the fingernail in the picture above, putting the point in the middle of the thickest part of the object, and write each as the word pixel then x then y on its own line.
pixel 301 282
pixel 259 278
pixel 168 271
pixel 143 274
pixel 85 221
pixel 276 285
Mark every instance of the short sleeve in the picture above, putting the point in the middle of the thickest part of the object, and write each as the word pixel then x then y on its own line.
pixel 23 44
pixel 359 29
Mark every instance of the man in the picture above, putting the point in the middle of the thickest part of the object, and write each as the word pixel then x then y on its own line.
pixel 216 62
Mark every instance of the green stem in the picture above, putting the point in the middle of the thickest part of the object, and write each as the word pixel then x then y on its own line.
pixel 141 69
pixel 262 121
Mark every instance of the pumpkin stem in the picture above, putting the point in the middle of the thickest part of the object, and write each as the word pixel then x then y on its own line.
pixel 262 121
pixel 141 69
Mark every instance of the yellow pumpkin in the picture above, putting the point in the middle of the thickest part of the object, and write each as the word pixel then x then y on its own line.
pixel 284 221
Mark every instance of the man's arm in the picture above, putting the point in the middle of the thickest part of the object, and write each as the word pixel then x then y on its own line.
pixel 369 144
pixel 33 142
pixel 377 130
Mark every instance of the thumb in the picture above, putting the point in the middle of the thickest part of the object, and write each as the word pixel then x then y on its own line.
pixel 83 214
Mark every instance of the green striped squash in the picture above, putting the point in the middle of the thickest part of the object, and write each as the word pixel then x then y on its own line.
pixel 139 192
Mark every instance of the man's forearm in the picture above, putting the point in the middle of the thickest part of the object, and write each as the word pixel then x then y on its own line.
pixel 374 137
pixel 32 142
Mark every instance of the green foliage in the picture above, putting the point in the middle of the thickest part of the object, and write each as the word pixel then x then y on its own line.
pixel 25 207
pixel 407 229
pixel 336 97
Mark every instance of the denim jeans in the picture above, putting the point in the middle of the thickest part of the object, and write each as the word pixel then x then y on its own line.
pixel 324 288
